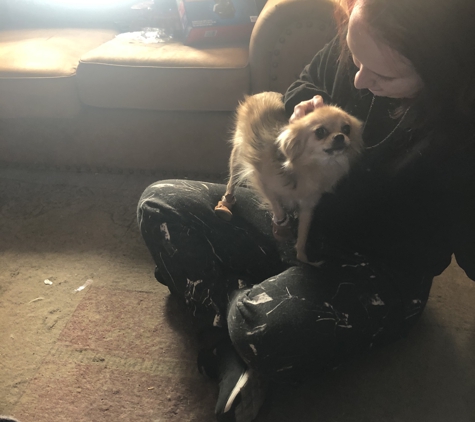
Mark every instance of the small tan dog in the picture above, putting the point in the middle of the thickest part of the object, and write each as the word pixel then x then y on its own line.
pixel 291 165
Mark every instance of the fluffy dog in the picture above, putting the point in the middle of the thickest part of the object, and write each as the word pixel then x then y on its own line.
pixel 290 165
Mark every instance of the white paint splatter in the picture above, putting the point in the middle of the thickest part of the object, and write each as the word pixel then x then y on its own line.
pixel 164 230
pixel 376 301
pixel 200 220
pixel 194 284
pixel 343 323
pixel 212 248
pixel 413 314
pixel 253 349
pixel 285 368
pixel 160 185
pixel 242 284
pixel 260 299
pixel 217 321
pixel 257 329
pixel 187 187
pixel 326 319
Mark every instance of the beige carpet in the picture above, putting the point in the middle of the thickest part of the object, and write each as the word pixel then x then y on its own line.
pixel 122 349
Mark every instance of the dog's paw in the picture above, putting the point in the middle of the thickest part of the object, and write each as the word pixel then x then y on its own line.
pixel 316 264
pixel 302 257
pixel 223 210
pixel 282 232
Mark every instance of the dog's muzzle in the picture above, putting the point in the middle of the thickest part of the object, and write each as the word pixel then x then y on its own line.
pixel 338 144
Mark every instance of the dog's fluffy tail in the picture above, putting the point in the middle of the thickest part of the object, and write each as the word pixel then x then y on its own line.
pixel 259 118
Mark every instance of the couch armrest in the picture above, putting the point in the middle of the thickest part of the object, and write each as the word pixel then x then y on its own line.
pixel 287 34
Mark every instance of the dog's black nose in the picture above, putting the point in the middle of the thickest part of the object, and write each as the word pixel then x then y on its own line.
pixel 338 142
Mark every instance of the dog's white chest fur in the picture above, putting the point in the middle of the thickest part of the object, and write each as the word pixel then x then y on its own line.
pixel 300 185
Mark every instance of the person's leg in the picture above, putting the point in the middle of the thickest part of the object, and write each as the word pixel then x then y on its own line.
pixel 199 256
pixel 203 258
pixel 307 320
pixel 298 320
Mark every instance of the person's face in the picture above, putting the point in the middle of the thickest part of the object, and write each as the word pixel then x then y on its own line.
pixel 382 70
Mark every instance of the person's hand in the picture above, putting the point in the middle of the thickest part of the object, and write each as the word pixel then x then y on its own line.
pixel 305 107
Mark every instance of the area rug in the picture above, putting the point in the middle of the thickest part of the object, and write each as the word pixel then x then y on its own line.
pixel 87 334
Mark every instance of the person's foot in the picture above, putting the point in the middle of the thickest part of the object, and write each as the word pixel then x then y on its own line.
pixel 241 390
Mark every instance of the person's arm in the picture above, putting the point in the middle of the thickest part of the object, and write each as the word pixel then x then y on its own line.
pixel 317 78
pixel 463 214
pixel 464 239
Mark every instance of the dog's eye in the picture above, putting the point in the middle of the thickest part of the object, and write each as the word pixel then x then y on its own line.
pixel 346 129
pixel 321 132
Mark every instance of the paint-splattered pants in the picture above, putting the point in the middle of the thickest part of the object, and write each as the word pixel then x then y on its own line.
pixel 286 319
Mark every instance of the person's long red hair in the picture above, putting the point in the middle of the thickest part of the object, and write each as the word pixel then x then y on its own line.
pixel 436 36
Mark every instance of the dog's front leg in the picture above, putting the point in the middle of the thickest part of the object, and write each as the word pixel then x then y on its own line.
pixel 280 220
pixel 305 219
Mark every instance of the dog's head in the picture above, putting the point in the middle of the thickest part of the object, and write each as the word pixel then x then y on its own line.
pixel 324 133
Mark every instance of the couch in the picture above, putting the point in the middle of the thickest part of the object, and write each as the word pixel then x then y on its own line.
pixel 79 98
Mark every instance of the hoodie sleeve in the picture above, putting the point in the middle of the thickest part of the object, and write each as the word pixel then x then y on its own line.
pixel 463 213
pixel 317 78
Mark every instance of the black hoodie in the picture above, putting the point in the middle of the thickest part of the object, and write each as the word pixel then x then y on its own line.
pixel 409 202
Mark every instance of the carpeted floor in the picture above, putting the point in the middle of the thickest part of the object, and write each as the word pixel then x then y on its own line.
pixel 121 349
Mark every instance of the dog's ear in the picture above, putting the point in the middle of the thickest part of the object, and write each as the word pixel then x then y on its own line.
pixel 291 143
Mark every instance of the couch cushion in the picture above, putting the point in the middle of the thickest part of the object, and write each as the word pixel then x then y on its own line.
pixel 38 67
pixel 164 76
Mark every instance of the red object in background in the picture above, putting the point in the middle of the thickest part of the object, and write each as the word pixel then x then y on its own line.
pixel 205 21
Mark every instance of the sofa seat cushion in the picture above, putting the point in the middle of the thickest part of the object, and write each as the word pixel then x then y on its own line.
pixel 38 67
pixel 164 76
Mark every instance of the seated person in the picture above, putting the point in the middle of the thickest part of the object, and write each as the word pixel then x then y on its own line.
pixel 406 69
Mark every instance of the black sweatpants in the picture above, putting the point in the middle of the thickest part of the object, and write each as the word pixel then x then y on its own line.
pixel 286 319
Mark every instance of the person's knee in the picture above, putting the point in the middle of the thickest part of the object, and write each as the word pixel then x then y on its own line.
pixel 170 199
pixel 259 321
pixel 158 194
pixel 284 325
